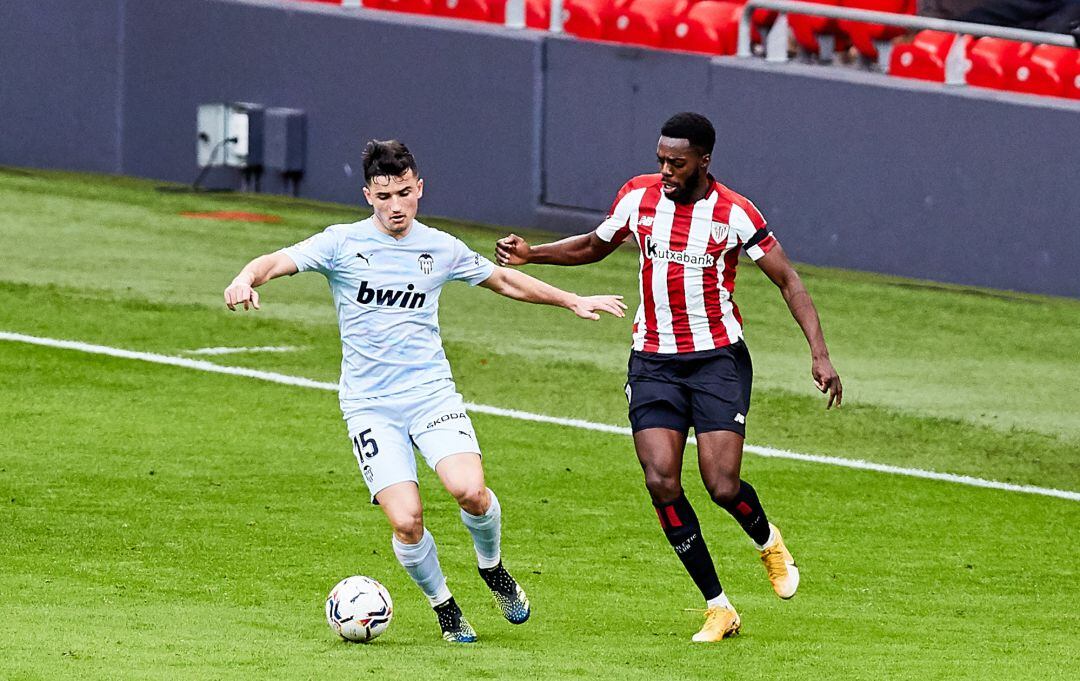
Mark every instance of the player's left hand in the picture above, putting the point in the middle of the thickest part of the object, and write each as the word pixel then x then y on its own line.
pixel 827 380
pixel 587 307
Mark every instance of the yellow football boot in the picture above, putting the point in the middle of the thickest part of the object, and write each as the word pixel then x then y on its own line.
pixel 720 623
pixel 783 572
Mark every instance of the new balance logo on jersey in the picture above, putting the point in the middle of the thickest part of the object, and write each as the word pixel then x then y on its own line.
pixel 654 252
pixel 645 221
pixel 389 297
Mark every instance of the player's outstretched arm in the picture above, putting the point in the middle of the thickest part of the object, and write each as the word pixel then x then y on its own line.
pixel 777 267
pixel 520 286
pixel 576 250
pixel 256 273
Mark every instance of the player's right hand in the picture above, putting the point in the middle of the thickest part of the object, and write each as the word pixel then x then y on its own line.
pixel 512 250
pixel 240 292
pixel 587 307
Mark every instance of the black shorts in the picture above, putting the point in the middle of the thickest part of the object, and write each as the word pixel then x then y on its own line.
pixel 709 390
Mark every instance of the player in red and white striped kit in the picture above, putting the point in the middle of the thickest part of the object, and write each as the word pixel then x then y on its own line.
pixel 689 365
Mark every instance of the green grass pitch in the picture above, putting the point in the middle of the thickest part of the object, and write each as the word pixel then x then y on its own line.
pixel 158 522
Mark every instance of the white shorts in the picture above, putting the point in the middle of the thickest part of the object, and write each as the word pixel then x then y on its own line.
pixel 384 430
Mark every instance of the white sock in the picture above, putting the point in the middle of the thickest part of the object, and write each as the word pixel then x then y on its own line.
pixel 768 542
pixel 720 601
pixel 421 561
pixel 486 531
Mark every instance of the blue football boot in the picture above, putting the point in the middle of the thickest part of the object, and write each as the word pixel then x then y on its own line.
pixel 508 594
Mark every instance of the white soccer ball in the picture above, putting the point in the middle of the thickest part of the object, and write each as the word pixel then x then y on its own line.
pixel 359 609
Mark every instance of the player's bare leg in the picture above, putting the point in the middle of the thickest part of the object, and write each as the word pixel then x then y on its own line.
pixel 720 460
pixel 463 476
pixel 415 550
pixel 660 452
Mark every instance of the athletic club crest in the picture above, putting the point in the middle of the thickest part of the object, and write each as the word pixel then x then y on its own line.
pixel 426 262
pixel 719 231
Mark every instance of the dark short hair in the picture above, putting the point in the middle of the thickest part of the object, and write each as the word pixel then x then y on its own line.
pixel 387 158
pixel 693 127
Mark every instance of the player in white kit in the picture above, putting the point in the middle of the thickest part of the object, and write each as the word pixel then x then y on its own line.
pixel 396 389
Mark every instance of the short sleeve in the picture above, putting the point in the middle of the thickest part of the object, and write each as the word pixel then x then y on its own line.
pixel 616 227
pixel 469 266
pixel 315 252
pixel 750 226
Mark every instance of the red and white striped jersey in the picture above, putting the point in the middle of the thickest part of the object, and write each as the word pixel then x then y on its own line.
pixel 688 259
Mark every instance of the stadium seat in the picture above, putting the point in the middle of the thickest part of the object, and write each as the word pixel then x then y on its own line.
pixel 871 39
pixel 475 10
pixel 761 20
pixel 644 22
pixel 587 18
pixel 806 28
pixel 922 58
pixel 1072 85
pixel 709 27
pixel 992 59
pixel 409 6
pixel 1046 70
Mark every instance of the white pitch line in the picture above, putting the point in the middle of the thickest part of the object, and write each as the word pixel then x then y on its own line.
pixel 236 351
pixel 285 379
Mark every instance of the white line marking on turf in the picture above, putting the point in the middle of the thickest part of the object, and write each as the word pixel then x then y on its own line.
pixel 200 365
pixel 284 379
pixel 234 351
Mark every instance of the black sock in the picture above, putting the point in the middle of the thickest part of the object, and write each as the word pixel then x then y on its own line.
pixel 747 510
pixel 681 526
pixel 449 615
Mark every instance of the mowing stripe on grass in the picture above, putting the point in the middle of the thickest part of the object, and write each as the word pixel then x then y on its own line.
pixel 284 379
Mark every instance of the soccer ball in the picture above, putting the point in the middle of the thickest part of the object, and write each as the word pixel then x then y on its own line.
pixel 359 609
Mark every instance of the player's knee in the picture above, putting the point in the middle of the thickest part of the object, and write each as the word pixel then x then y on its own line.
pixel 474 499
pixel 663 488
pixel 408 527
pixel 724 491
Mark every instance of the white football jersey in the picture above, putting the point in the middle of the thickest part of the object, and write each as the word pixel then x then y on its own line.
pixel 386 292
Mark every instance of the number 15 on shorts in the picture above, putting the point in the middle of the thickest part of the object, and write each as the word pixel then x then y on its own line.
pixel 365 445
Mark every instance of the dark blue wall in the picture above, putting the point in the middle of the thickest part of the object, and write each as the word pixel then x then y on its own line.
pixel 60 76
pixel 358 75
pixel 519 128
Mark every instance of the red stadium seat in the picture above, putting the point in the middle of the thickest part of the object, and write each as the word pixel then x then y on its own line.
pixel 587 18
pixel 410 6
pixel 644 22
pixel 1072 85
pixel 709 27
pixel 867 37
pixel 1047 70
pixel 537 14
pixel 476 10
pixel 760 21
pixel 992 59
pixel 806 28
pixel 922 58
